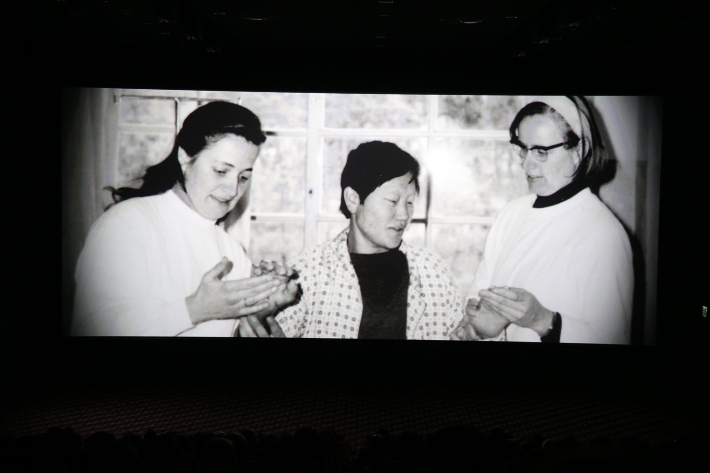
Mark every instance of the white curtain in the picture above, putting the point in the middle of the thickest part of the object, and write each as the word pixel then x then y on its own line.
pixel 89 124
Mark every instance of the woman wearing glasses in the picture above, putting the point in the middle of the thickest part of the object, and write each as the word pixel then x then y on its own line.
pixel 557 265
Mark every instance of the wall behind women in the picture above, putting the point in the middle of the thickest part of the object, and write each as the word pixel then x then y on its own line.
pixel 631 130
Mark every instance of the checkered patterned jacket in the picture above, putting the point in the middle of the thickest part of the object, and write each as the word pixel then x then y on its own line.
pixel 331 304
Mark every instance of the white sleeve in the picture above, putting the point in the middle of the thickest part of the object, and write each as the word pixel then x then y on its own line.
pixel 482 280
pixel 212 328
pixel 483 276
pixel 115 276
pixel 606 294
pixel 241 261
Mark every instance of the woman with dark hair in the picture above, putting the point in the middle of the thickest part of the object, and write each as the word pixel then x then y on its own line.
pixel 557 265
pixel 157 263
pixel 367 282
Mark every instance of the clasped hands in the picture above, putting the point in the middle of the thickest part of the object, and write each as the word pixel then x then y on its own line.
pixel 286 294
pixel 499 307
pixel 271 287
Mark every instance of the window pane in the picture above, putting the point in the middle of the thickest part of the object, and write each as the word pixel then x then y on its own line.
pixel 461 246
pixel 147 111
pixel 279 178
pixel 137 151
pixel 186 108
pixel 274 241
pixel 415 234
pixel 329 230
pixel 474 177
pixel 335 154
pixel 375 111
pixel 274 109
pixel 479 112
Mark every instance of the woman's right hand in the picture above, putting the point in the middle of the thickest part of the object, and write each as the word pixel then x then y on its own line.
pixel 215 299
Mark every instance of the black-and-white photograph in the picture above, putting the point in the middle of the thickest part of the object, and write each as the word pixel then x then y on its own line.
pixel 360 216
pixel 363 236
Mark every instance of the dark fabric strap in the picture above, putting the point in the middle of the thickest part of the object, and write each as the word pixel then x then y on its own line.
pixel 553 336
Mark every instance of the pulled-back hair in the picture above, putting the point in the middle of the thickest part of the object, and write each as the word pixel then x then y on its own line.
pixel 372 164
pixel 203 127
pixel 593 156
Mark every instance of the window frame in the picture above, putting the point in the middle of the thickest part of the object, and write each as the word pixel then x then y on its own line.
pixel 315 133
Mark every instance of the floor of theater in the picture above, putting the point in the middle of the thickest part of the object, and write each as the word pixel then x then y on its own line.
pixel 357 410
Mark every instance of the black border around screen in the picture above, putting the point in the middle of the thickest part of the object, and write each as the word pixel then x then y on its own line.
pixel 32 341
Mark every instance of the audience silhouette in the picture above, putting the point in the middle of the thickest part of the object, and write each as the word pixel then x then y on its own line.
pixel 456 449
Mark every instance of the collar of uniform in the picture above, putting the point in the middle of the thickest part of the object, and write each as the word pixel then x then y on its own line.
pixel 568 205
pixel 562 195
pixel 186 212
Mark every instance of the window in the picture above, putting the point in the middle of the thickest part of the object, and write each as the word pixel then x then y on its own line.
pixel 469 170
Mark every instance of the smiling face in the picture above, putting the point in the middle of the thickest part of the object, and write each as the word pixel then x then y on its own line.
pixel 377 224
pixel 218 176
pixel 546 178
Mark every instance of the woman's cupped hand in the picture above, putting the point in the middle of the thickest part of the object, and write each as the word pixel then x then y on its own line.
pixel 519 306
pixel 216 299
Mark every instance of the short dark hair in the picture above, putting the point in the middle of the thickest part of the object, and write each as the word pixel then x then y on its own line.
pixel 593 156
pixel 372 164
pixel 204 126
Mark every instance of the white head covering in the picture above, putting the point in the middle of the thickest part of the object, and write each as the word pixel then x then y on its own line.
pixel 574 113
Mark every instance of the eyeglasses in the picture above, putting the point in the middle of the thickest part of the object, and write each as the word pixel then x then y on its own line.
pixel 539 152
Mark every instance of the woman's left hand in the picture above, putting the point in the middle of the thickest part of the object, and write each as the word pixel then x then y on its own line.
pixel 287 291
pixel 519 307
